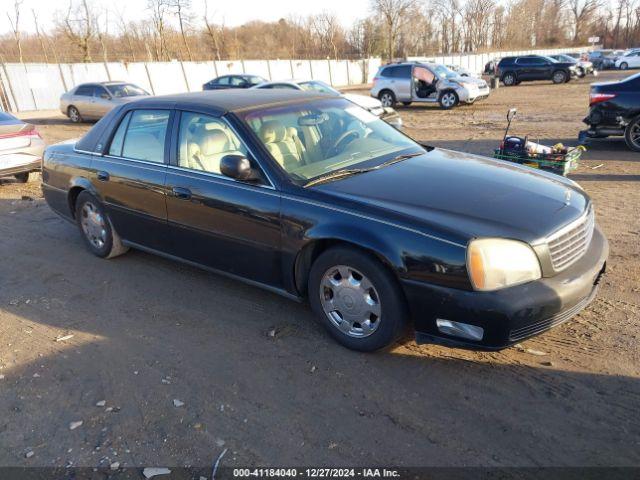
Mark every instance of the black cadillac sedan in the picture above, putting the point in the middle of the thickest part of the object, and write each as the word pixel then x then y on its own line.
pixel 315 198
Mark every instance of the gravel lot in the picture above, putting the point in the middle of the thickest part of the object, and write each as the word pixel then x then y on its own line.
pixel 139 332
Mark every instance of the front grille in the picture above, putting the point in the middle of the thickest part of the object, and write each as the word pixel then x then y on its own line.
pixel 571 242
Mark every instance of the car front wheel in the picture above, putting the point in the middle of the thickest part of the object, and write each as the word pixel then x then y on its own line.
pixel 624 66
pixel 632 135
pixel 559 77
pixel 95 226
pixel 357 300
pixel 448 99
pixel 387 98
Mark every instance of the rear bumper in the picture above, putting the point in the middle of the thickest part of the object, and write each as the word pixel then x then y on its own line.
pixel 31 165
pixel 513 314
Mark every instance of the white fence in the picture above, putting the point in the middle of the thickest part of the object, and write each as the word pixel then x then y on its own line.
pixel 38 86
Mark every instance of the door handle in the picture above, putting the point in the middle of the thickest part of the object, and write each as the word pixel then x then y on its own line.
pixel 181 193
pixel 103 176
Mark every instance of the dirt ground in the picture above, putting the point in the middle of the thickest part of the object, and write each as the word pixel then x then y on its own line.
pixel 139 332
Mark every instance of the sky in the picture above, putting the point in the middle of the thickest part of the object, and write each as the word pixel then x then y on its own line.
pixel 233 12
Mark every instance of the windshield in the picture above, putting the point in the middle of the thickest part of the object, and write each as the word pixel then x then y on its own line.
pixel 125 90
pixel 324 136
pixel 318 86
pixel 443 72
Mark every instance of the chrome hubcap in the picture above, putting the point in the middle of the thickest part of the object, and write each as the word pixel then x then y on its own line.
pixel 73 114
pixel 508 80
pixel 350 301
pixel 386 100
pixel 559 77
pixel 448 99
pixel 93 225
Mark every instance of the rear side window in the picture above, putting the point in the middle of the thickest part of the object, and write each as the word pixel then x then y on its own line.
pixel 141 135
pixel 85 90
pixel 399 71
pixel 221 81
pixel 238 81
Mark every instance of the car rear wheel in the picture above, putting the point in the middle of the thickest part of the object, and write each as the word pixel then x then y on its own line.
pixel 96 228
pixel 74 114
pixel 632 135
pixel 387 98
pixel 624 66
pixel 509 79
pixel 448 99
pixel 23 177
pixel 357 300
pixel 559 77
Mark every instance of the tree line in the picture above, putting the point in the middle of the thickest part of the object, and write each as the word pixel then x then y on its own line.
pixel 88 31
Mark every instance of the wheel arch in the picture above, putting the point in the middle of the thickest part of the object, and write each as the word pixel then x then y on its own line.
pixel 77 186
pixel 315 246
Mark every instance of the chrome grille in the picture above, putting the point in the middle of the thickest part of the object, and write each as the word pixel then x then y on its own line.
pixel 569 243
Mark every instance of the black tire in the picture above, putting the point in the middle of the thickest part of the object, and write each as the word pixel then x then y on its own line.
pixel 406 104
pixel 388 98
pixel 624 66
pixel 111 243
pixel 393 309
pixel 559 77
pixel 509 79
pixel 22 177
pixel 74 114
pixel 448 99
pixel 632 135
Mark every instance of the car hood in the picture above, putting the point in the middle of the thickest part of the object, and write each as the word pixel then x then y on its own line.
pixel 363 101
pixel 464 196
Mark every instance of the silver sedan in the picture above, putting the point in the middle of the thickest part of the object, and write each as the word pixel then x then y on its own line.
pixel 91 101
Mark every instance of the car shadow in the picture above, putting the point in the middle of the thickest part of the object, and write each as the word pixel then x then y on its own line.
pixel 255 373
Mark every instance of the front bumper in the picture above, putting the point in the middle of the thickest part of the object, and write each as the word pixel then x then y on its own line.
pixel 512 314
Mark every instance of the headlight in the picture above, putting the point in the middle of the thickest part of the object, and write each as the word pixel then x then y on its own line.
pixel 495 263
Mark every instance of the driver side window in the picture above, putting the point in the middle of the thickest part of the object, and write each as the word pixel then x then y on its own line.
pixel 204 141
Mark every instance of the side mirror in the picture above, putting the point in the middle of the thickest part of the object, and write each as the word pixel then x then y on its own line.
pixel 105 96
pixel 237 167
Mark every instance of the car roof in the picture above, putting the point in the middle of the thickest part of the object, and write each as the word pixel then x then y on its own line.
pixel 223 101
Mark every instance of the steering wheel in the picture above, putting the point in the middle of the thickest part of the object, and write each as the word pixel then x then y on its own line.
pixel 343 140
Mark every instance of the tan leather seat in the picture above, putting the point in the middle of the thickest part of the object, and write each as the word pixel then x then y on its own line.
pixel 210 148
pixel 280 144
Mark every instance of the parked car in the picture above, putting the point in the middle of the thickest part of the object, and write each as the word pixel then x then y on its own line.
pixel 314 198
pixel 630 59
pixel 373 105
pixel 92 101
pixel 513 70
pixel 614 110
pixel 233 81
pixel 463 72
pixel 583 67
pixel 425 83
pixel 21 148
pixel 604 59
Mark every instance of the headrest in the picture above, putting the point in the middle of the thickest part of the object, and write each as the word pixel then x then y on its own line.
pixel 272 132
pixel 213 141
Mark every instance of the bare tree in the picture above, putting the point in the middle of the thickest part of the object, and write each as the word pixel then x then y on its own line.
pixel 583 12
pixel 125 30
pixel 327 30
pixel 103 34
pixel 40 35
pixel 14 21
pixel 182 11
pixel 394 13
pixel 79 27
pixel 214 32
pixel 159 10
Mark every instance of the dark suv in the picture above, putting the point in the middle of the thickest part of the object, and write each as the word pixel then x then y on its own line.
pixel 513 70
